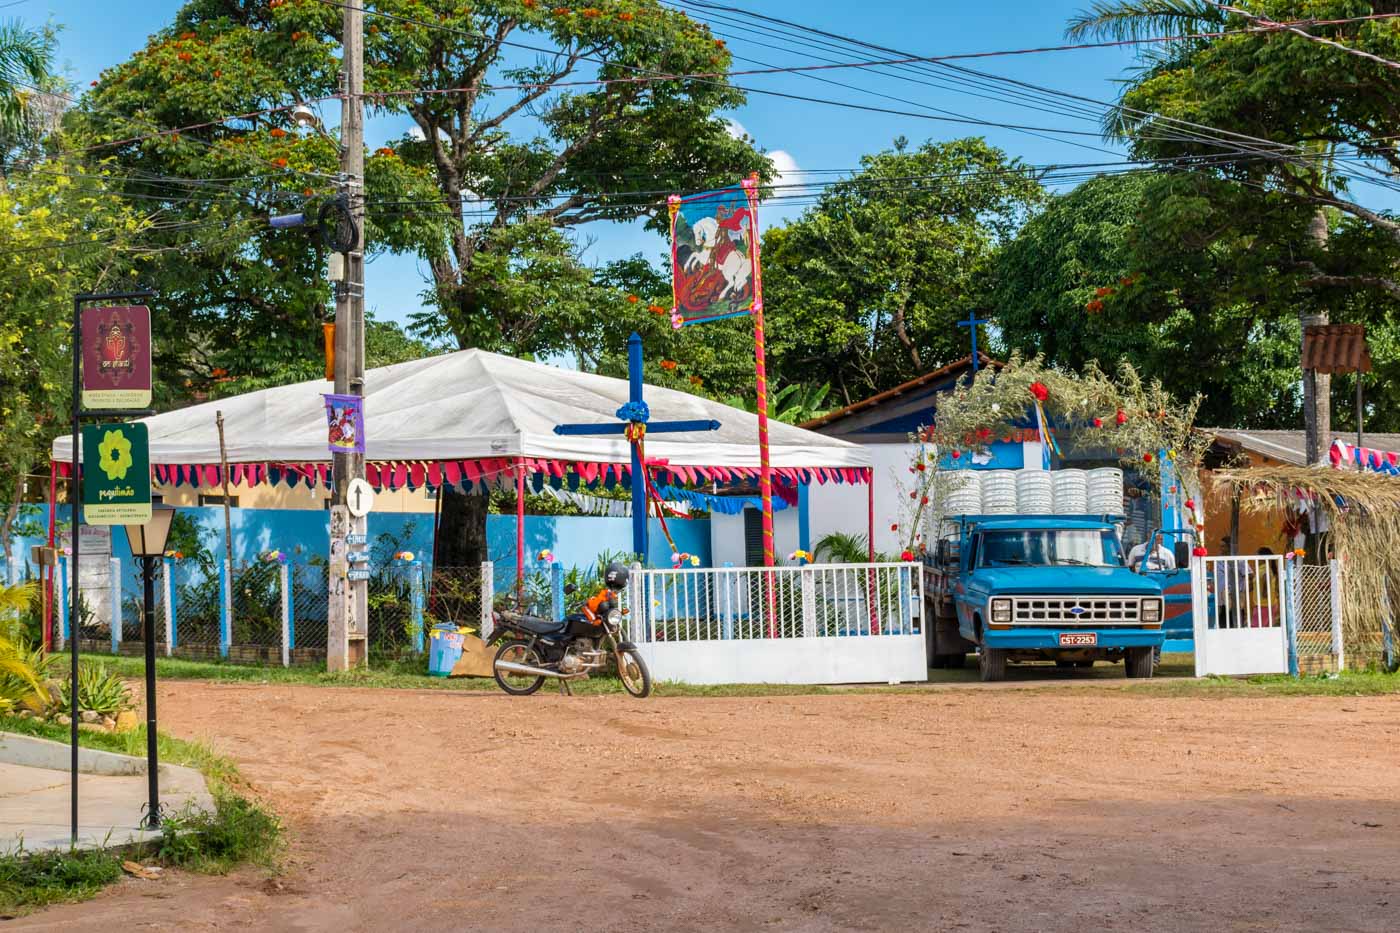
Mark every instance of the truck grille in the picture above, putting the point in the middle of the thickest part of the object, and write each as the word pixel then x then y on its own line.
pixel 1076 610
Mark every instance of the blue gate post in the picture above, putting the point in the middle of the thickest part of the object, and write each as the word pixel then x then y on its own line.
pixel 556 589
pixel 1290 582
pixel 63 599
pixel 415 602
pixel 170 590
pixel 225 603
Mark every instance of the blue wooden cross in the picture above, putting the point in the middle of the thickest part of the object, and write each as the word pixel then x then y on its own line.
pixel 635 412
pixel 972 322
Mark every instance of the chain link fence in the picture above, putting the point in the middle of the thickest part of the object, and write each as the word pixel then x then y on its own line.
pixel 1314 628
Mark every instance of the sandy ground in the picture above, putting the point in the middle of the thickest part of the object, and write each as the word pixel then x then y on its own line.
pixel 964 809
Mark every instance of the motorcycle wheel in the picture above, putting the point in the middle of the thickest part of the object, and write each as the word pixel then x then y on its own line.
pixel 519 652
pixel 633 673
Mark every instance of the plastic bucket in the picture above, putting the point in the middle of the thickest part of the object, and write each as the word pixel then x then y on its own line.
pixel 444 649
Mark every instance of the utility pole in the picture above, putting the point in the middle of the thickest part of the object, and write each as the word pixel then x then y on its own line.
pixel 348 630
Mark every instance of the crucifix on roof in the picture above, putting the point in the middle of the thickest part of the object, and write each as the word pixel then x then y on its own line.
pixel 634 424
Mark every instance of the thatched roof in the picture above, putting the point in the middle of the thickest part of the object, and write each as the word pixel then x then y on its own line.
pixel 1268 487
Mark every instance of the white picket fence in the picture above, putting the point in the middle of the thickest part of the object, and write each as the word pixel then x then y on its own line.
pixel 822 623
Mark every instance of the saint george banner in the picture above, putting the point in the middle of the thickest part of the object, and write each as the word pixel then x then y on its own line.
pixel 713 255
pixel 345 418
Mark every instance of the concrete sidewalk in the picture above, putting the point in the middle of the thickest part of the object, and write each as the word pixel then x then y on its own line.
pixel 35 803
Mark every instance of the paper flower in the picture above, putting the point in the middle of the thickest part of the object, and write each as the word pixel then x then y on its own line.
pixel 1299 553
pixel 404 555
pixel 545 555
pixel 996 407
pixel 1040 390
pixel 1199 551
pixel 800 556
pixel 1146 458
pixel 1191 504
pixel 957 454
pixel 894 527
pixel 1121 417
pixel 1098 422
pixel 906 555
pixel 694 560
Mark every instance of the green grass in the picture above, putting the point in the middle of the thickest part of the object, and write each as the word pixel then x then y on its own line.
pixel 1175 677
pixel 238 831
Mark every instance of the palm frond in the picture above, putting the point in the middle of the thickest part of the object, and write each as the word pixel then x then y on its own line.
pixel 1132 20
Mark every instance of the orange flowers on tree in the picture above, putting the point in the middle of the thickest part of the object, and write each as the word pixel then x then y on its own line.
pixel 669 365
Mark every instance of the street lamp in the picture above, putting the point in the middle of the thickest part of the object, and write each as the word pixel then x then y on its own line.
pixel 148 546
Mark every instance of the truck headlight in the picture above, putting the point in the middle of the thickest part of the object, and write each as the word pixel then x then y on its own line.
pixel 1001 610
pixel 1152 609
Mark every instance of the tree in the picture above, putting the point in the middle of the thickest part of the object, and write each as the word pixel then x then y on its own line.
pixel 59 234
pixel 1090 279
pixel 25 58
pixel 1274 111
pixel 866 286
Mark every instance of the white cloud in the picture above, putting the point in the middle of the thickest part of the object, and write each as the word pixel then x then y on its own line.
pixel 736 129
pixel 784 165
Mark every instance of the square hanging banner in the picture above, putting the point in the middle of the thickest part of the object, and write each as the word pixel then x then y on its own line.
pixel 116 474
pixel 116 357
pixel 345 418
pixel 713 254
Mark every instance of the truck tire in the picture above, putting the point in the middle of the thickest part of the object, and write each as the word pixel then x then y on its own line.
pixel 991 663
pixel 1138 662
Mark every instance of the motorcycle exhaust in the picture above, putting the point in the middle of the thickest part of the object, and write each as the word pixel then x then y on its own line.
pixel 511 667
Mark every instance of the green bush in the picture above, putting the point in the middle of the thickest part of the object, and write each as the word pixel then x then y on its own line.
pixel 41 878
pixel 237 831
pixel 99 690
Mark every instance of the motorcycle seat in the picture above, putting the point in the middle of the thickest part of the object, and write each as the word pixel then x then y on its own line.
pixel 536 624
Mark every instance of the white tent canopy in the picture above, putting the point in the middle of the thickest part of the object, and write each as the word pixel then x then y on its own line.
pixel 474 405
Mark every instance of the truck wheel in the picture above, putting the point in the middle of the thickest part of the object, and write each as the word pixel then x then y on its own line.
pixel 992 664
pixel 1138 662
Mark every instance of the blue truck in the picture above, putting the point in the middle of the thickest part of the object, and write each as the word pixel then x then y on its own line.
pixel 1039 588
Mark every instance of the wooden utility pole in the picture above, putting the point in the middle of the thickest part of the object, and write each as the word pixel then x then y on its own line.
pixel 349 599
pixel 1317 386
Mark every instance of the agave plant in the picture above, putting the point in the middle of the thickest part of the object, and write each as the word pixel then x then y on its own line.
pixel 99 690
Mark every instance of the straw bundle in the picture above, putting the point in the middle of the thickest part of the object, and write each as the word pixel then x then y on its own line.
pixel 1363 510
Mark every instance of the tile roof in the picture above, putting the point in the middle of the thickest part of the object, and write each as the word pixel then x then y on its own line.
pixel 1336 348
pixel 918 382
pixel 1290 446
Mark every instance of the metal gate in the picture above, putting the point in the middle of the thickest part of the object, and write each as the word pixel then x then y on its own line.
pixel 1317 629
pixel 1245 628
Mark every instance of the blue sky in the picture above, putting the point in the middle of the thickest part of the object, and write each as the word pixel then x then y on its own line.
pixel 801 137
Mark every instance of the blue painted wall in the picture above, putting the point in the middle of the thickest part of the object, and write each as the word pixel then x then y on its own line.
pixel 576 541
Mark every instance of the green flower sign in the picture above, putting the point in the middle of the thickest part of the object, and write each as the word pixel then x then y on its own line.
pixel 116 474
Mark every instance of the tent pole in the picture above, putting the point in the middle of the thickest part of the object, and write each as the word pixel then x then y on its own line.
pixel 870 512
pixel 520 534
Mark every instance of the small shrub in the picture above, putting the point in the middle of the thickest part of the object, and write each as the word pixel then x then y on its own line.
pixel 40 878
pixel 238 830
pixel 99 690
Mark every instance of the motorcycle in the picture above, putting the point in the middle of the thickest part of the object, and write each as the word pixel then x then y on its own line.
pixel 534 648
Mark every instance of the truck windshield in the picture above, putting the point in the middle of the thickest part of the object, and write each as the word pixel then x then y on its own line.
pixel 1050 547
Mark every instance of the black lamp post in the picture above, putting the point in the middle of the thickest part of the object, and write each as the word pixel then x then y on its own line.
pixel 148 546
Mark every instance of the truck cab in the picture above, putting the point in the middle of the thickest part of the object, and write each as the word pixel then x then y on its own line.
pixel 1041 587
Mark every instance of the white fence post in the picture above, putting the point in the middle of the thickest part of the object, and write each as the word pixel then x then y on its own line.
pixel 809 604
pixel 64 601
pixel 1334 573
pixel 114 585
pixel 488 596
pixel 167 605
pixel 284 576
pixel 1200 606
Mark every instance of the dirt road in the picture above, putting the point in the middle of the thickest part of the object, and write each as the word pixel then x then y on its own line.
pixel 1078 809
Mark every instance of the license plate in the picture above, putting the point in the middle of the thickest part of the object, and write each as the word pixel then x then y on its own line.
pixel 1079 639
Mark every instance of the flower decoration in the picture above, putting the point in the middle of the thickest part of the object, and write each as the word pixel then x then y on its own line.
pixel 114 455
pixel 957 454
pixel 1040 391
pixel 801 556
pixel 906 555
pixel 921 467
pixel 1191 504
pixel 545 556
pixel 404 556
pixel 1199 551
pixel 1299 553
pixel 274 557
pixel 996 408
pixel 1147 458
pixel 637 412
pixel 894 527
pixel 1098 422
pixel 1121 417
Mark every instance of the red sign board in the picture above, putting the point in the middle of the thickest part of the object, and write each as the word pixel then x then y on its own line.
pixel 117 357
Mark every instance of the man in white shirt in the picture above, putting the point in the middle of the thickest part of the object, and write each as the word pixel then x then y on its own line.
pixel 1161 558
